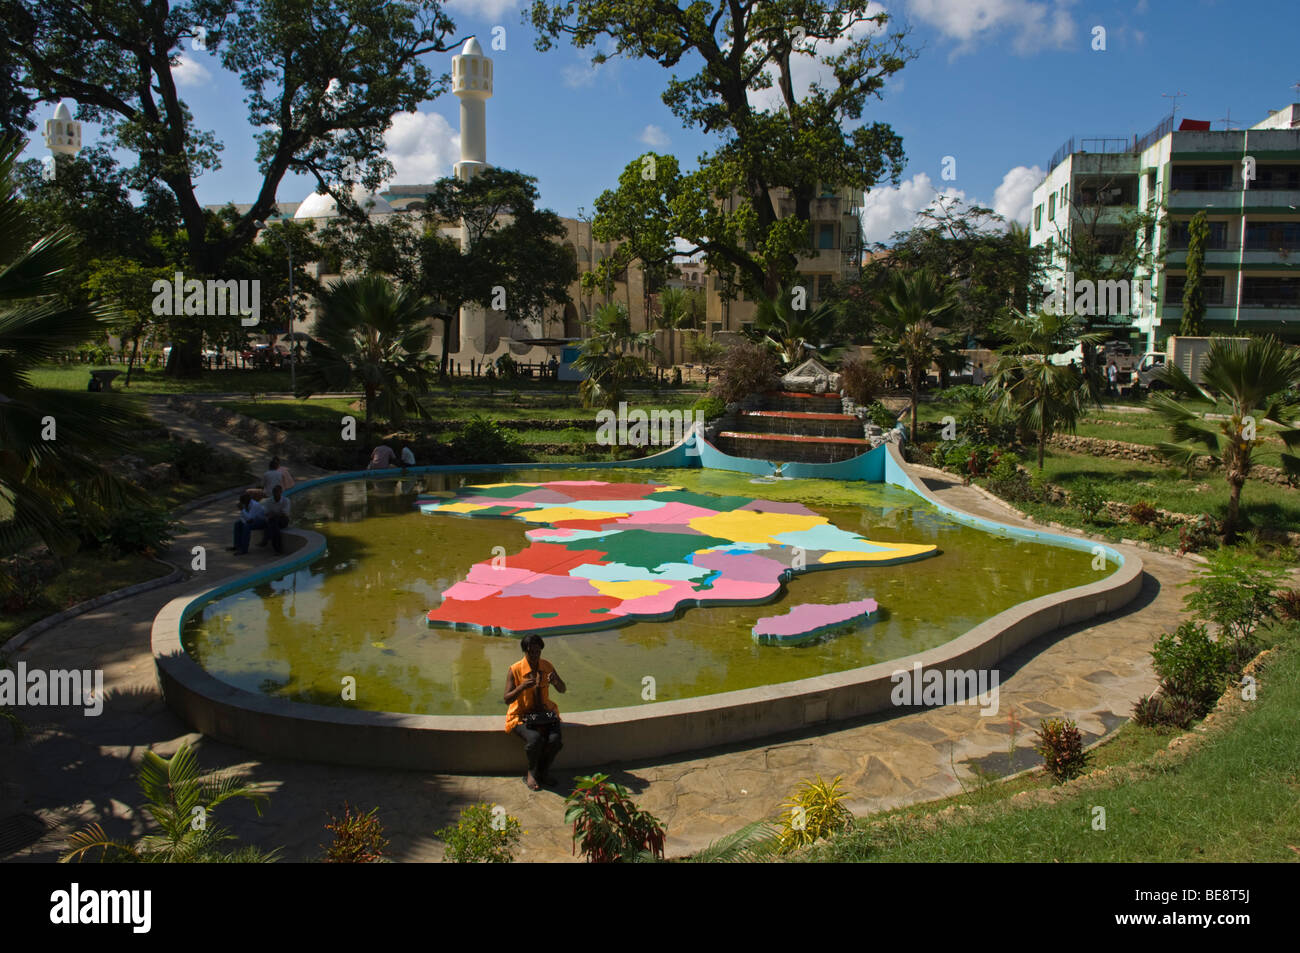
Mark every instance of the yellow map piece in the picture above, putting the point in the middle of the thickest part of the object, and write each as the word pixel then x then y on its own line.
pixel 629 589
pixel 895 551
pixel 745 526
pixel 464 507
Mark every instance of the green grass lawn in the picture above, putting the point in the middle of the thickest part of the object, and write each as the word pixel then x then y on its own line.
pixel 1235 799
pixel 1128 481
pixel 85 576
pixel 77 376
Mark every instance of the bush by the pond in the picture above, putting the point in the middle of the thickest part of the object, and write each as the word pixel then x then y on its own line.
pixel 483 440
pixel 710 407
pixel 483 834
pixel 1061 747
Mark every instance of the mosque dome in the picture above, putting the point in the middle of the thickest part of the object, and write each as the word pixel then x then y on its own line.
pixel 61 113
pixel 323 205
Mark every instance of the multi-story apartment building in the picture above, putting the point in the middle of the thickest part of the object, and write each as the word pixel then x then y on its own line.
pixel 1248 183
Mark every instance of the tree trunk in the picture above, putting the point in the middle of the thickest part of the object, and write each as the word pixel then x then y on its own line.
pixel 916 391
pixel 1234 504
pixel 370 400
pixel 1042 443
pixel 135 352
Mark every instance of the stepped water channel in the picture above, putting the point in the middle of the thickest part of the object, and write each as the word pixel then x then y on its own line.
pixel 788 426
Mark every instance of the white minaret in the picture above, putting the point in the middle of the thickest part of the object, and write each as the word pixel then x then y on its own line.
pixel 62 133
pixel 471 81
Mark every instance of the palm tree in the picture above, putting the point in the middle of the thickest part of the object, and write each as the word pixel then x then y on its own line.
pixel 1042 396
pixel 375 334
pixel 912 328
pixel 1250 378
pixel 181 804
pixel 50 440
pixel 607 356
pixel 790 332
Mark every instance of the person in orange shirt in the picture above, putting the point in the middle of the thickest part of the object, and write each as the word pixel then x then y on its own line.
pixel 532 715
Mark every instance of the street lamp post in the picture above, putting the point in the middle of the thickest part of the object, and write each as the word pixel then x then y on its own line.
pixel 293 368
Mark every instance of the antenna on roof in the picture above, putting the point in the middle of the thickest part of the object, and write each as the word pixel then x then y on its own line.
pixel 1228 121
pixel 1175 97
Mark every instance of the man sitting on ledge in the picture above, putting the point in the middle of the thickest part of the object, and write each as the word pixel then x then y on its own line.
pixel 532 715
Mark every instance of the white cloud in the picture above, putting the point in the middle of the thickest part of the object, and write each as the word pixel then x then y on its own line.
pixel 1015 196
pixel 486 9
pixel 1036 25
pixel 1142 7
pixel 190 72
pixel 655 137
pixel 422 147
pixel 578 76
pixel 888 210
pixel 807 68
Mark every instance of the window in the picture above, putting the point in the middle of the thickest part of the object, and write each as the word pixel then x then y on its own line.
pixel 1049 251
pixel 715 327
pixel 824 285
pixel 1271 292
pixel 825 236
pixel 1211 284
pixel 1051 206
pixel 1272 236
pixel 1111 243
pixel 1180 234
pixel 1276 177
pixel 1065 194
pixel 1202 178
pixel 1038 217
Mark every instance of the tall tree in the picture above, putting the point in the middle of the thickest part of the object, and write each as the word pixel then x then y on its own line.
pixel 987 261
pixel 375 335
pixel 323 78
pixel 515 262
pixel 913 329
pixel 1025 384
pixel 1198 236
pixel 748 51
pixel 51 441
pixel 1252 379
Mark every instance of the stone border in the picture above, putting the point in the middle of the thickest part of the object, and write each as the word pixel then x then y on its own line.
pixel 477 744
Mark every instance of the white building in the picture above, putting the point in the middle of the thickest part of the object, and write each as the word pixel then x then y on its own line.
pixel 1248 183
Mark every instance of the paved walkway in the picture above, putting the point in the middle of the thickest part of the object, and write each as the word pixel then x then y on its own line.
pixel 75 770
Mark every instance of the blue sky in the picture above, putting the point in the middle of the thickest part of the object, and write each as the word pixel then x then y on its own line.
pixel 997 85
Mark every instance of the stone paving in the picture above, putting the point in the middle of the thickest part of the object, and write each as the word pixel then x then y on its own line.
pixel 74 770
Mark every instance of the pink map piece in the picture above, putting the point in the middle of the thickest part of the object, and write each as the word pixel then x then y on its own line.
pixel 806 621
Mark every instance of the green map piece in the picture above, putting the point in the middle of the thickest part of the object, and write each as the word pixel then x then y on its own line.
pixel 500 492
pixel 639 547
pixel 722 504
pixel 545 615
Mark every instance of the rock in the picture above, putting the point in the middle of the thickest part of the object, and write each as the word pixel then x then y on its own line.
pixel 160 474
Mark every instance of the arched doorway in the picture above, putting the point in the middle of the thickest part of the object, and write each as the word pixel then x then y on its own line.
pixel 572 327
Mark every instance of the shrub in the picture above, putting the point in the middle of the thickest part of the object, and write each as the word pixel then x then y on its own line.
pixel 745 368
pixel 1148 711
pixel 881 416
pixel 710 407
pixel 1201 534
pixel 814 811
pixel 1061 746
pixel 1089 499
pixel 1009 481
pixel 194 460
pixel 482 835
pixel 979 459
pixel 483 440
pixel 147 530
pixel 860 380
pixel 1236 592
pixel 1288 604
pixel 1143 513
pixel 358 838
pixel 1191 664
pixel 1179 711
pixel 22 579
pixel 608 825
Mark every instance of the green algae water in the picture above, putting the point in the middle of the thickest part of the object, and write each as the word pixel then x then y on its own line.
pixel 360 610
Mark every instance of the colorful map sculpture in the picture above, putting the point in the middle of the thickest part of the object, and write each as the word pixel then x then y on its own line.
pixel 608 553
pixel 809 620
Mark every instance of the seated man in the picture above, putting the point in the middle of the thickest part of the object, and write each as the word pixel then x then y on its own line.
pixel 251 517
pixel 277 510
pixel 382 458
pixel 532 715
